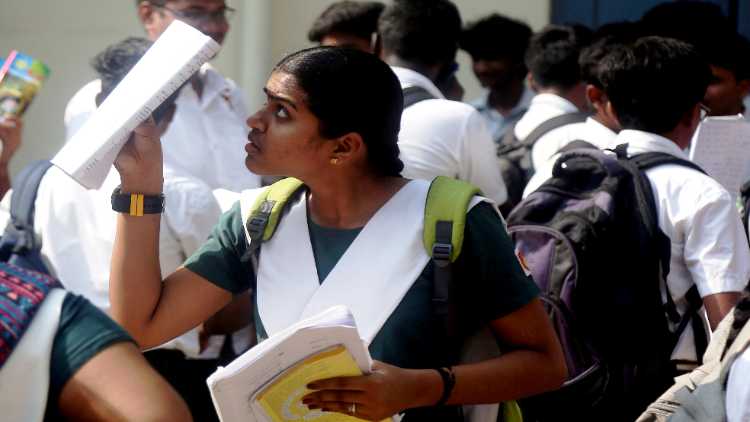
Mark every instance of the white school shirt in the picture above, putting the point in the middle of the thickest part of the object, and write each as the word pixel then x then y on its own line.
pixel 542 108
pixel 708 244
pixel 590 131
pixel 496 122
pixel 206 137
pixel 447 138
pixel 77 229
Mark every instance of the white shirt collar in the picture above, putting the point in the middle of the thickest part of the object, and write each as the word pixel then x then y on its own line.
pixel 213 85
pixel 555 101
pixel 640 142
pixel 409 78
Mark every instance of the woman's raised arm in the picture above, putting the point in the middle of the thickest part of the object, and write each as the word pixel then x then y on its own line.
pixel 152 311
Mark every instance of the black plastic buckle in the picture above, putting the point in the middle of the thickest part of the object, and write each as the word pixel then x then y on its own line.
pixel 257 225
pixel 441 253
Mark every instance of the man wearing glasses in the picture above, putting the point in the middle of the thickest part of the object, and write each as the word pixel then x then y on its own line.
pixel 209 127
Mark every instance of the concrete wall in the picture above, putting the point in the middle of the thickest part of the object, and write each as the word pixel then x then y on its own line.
pixel 66 34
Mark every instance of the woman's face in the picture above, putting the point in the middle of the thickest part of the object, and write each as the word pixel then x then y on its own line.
pixel 284 139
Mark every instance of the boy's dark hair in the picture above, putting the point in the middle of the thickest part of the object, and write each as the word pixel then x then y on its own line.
pixel 496 37
pixel 112 64
pixel 705 26
pixel 421 31
pixel 654 82
pixel 605 39
pixel 331 78
pixel 552 56
pixel 359 19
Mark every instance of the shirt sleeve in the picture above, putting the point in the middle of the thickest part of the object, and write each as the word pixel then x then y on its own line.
pixel 715 250
pixel 224 258
pixel 479 162
pixel 191 211
pixel 490 282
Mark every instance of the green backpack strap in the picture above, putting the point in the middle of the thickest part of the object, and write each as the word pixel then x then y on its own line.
pixel 265 212
pixel 445 217
pixel 444 222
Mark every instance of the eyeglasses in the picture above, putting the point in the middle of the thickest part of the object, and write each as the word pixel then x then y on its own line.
pixel 705 111
pixel 199 17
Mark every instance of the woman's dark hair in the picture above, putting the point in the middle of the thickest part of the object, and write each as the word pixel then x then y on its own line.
pixel 352 91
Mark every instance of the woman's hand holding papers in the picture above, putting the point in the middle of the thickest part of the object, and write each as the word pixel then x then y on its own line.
pixel 140 160
pixel 385 392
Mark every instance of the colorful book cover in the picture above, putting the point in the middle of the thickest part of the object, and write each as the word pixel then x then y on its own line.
pixel 281 401
pixel 21 77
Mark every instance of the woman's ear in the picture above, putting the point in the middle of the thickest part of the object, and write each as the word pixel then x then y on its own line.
pixel 348 148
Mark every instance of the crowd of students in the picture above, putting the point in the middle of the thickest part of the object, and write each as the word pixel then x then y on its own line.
pixel 366 123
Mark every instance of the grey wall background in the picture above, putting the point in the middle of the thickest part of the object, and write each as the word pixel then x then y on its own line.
pixel 65 34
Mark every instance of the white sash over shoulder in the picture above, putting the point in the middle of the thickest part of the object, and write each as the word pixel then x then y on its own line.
pixel 371 278
pixel 24 378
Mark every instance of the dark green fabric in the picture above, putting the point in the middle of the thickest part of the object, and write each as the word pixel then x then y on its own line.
pixel 84 331
pixel 224 258
pixel 489 284
pixel 328 246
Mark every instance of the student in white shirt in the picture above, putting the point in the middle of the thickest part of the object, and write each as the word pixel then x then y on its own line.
pixel 554 74
pixel 350 24
pixel 497 45
pixel 655 87
pixel 75 226
pixel 208 127
pixel 727 52
pixel 598 130
pixel 438 137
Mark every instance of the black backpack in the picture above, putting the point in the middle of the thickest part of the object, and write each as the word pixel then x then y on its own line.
pixel 514 155
pixel 591 239
pixel 19 245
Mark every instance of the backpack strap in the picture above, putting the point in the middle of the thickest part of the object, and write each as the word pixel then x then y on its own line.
pixel 551 124
pixel 444 223
pixel 577 144
pixel 265 212
pixel 415 94
pixel 19 236
pixel 745 198
pixel 510 142
pixel 644 162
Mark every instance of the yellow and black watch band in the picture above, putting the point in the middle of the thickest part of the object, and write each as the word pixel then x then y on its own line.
pixel 137 204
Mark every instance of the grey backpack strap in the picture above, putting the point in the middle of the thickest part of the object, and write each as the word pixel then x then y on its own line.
pixel 415 94
pixel 552 124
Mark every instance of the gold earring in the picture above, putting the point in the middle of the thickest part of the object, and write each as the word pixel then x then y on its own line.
pixel 334 161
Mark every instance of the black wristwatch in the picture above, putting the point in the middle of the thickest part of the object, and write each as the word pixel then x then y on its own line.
pixel 137 204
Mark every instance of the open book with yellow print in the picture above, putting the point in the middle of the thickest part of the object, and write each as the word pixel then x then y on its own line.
pixel 267 383
pixel 281 399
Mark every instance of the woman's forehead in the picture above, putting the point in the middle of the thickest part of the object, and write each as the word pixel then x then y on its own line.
pixel 285 85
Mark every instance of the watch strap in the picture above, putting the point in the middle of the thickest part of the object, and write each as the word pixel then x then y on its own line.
pixel 137 204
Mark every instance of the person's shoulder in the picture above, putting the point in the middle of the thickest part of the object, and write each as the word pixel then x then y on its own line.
pixel 690 184
pixel 444 107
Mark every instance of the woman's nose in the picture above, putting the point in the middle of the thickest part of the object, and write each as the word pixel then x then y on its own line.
pixel 256 122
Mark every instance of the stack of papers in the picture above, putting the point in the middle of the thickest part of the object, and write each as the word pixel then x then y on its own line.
pixel 178 53
pixel 267 383
pixel 722 148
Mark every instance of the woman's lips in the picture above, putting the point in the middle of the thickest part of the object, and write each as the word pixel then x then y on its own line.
pixel 251 146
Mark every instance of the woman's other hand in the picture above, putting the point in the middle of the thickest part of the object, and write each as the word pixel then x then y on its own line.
pixel 140 160
pixel 385 392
